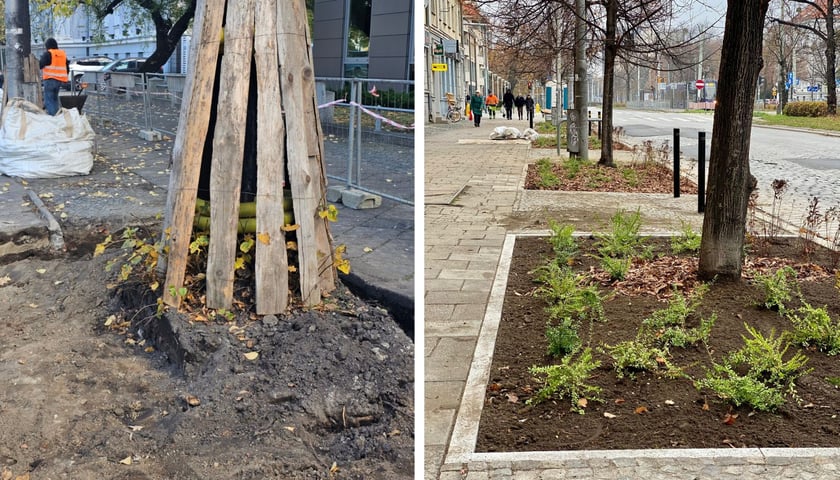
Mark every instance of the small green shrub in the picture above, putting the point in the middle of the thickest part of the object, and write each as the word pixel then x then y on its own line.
pixel 616 267
pixel 547 177
pixel 563 338
pixel 768 376
pixel 814 327
pixel 806 109
pixel 778 288
pixel 563 242
pixel 741 389
pixel 687 242
pixel 667 327
pixel 623 239
pixel 630 176
pixel 573 166
pixel 633 356
pixel 567 294
pixel 568 379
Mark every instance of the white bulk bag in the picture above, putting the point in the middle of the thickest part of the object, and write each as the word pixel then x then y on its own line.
pixel 36 145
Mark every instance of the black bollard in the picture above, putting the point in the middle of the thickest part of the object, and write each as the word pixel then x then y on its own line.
pixel 676 163
pixel 701 172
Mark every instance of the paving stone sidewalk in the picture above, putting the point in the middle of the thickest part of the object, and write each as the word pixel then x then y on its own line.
pixel 473 202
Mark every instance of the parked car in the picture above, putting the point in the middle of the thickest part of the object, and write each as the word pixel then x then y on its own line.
pixel 79 66
pixel 125 65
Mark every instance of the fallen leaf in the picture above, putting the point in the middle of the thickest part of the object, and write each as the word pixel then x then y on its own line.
pixel 291 429
pixel 41 270
pixel 609 415
pixel 367 249
pixel 705 405
pixel 126 460
pixel 5 280
pixel 110 320
pixel 251 355
pixel 135 428
pixel 25 476
pixel 660 360
pixel 264 238
pixel 640 410
pixel 729 418
pixel 512 398
pixel 494 387
pixel 192 400
pixel 582 403
pixel 619 401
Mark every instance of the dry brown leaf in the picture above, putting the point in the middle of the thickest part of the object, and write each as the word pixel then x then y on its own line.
pixel 25 476
pixel 582 403
pixel 512 398
pixel 641 409
pixel 192 400
pixel 729 418
pixel 619 401
pixel 6 474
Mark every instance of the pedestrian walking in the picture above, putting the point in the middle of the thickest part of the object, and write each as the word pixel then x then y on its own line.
pixel 520 104
pixel 477 106
pixel 529 107
pixel 507 101
pixel 53 63
pixel 492 100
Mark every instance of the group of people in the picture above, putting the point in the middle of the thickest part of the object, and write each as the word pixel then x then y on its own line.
pixel 478 103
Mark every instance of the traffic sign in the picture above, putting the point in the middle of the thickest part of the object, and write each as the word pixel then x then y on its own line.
pixel 439 67
pixel 699 84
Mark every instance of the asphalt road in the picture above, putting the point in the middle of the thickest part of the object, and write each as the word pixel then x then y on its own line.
pixel 810 162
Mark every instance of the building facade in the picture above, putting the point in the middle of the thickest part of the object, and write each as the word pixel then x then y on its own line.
pixel 364 38
pixel 444 56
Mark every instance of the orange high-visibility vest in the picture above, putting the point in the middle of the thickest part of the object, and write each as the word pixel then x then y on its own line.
pixel 57 69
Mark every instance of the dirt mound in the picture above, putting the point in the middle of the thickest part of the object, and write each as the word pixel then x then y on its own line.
pixel 329 394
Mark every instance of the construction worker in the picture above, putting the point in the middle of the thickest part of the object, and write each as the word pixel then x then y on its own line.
pixel 53 63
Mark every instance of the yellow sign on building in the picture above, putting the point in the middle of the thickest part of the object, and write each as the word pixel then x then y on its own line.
pixel 439 67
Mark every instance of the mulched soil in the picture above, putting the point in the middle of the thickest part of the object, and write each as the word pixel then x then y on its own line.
pixel 674 414
pixel 638 177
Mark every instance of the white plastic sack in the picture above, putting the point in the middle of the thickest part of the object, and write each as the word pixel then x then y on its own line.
pixel 505 133
pixel 36 145
pixel 530 134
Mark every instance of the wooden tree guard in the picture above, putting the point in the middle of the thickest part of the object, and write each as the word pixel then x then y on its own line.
pixel 274 32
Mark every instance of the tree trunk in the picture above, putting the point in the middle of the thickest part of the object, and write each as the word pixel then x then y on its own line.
pixel 831 59
pixel 610 53
pixel 730 182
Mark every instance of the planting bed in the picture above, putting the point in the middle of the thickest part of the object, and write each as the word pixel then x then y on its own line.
pixel 655 410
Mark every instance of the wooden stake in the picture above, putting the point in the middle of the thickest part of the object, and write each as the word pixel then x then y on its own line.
pixel 272 267
pixel 228 152
pixel 305 170
pixel 189 145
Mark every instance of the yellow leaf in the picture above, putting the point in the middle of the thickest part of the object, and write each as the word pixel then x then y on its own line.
pixel 126 460
pixel 264 238
pixel 290 228
pixel 331 213
pixel 41 270
pixel 292 268
pixel 5 280
pixel 367 249
pixel 582 403
pixel 99 250
pixel 343 266
pixel 154 286
pixel 291 245
pixel 239 264
pixel 63 215
pixel 110 320
pixel 149 349
pixel 251 355
pixel 192 400
pixel 339 250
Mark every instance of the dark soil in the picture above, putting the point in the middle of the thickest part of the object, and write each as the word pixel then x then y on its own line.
pixel 330 394
pixel 675 415
pixel 638 177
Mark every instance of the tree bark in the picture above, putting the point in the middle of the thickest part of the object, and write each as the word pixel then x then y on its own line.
pixel 831 59
pixel 730 182
pixel 610 54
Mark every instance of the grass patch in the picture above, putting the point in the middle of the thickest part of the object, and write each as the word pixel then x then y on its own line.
pixel 819 123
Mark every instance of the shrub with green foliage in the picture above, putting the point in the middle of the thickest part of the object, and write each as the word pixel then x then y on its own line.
pixel 778 288
pixel 567 294
pixel 633 356
pixel 563 242
pixel 563 338
pixel 616 267
pixel 568 379
pixel 667 327
pixel 623 239
pixel 687 242
pixel 806 109
pixel 767 378
pixel 814 327
pixel 545 173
